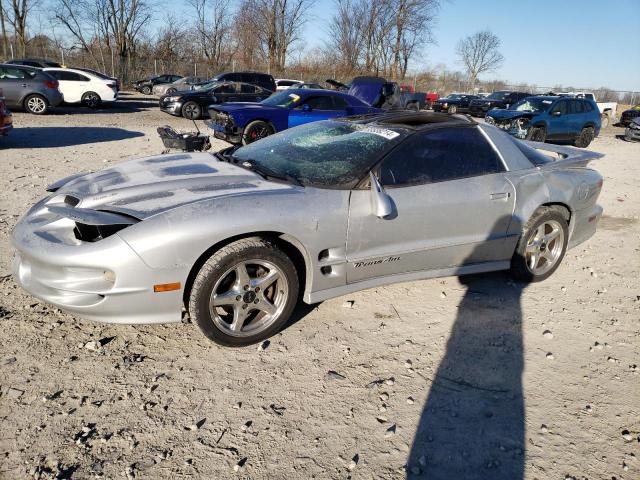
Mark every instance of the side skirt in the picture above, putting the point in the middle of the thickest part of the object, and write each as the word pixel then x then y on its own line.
pixel 319 296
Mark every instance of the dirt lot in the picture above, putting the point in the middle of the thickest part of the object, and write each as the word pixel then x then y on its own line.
pixel 453 378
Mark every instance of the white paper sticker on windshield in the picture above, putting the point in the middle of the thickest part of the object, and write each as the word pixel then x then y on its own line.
pixel 382 132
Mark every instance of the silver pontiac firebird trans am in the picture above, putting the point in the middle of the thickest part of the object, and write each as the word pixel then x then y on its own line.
pixel 318 211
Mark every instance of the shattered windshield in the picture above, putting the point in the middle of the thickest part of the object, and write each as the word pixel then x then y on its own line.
pixel 329 154
pixel 498 96
pixel 532 105
pixel 282 99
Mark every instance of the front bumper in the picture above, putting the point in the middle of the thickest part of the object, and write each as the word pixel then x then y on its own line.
pixel 172 108
pixel 632 134
pixel 224 128
pixel 105 280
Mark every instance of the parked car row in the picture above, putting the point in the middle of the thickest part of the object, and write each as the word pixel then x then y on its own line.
pixel 37 89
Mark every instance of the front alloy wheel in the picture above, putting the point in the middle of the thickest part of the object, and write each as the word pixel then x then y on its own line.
pixel 244 293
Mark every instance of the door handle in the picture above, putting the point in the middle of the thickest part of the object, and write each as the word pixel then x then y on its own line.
pixel 499 196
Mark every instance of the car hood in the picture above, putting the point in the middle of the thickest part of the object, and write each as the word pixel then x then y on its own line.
pixel 509 114
pixel 146 187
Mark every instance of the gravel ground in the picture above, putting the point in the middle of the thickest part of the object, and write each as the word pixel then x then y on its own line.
pixel 471 378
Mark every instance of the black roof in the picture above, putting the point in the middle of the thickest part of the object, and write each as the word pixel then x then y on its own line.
pixel 411 119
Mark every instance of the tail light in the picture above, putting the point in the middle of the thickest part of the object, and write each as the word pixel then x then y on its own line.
pixel 112 85
pixel 51 83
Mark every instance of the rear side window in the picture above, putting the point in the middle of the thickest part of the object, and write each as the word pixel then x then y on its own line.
pixel 440 155
pixel 588 107
pixel 246 88
pixel 577 106
pixel 9 73
pixel 339 103
pixel 562 106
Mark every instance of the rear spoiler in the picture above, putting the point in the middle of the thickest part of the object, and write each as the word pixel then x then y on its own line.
pixel 566 156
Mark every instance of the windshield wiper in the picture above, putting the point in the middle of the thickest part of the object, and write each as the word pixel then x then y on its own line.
pixel 266 172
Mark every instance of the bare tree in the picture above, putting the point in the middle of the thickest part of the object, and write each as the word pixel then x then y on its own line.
pixel 214 30
pixel 276 24
pixel 345 42
pixel 76 17
pixel 5 42
pixel 479 53
pixel 18 20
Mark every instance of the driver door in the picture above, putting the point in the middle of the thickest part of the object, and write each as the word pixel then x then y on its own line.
pixel 453 206
pixel 312 109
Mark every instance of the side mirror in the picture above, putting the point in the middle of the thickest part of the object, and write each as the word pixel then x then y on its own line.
pixel 381 203
pixel 306 107
pixel 556 113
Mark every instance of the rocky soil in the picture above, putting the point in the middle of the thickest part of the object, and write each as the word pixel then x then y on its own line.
pixel 477 377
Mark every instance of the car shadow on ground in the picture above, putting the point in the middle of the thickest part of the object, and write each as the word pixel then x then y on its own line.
pixel 52 137
pixel 472 425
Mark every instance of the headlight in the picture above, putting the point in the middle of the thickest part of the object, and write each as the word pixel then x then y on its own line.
pixel 445 105
pixel 172 99
pixel 489 120
pixel 520 123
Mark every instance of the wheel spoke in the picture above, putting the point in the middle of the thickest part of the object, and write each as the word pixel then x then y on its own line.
pixel 533 260
pixel 266 306
pixel 239 317
pixel 540 232
pixel 532 247
pixel 242 276
pixel 266 281
pixel 549 237
pixel 226 298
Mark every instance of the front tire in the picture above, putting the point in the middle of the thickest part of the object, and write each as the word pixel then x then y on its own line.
pixel 586 136
pixel 541 247
pixel 36 104
pixel 244 293
pixel 191 110
pixel 537 134
pixel 452 109
pixel 256 131
pixel 91 100
pixel 146 90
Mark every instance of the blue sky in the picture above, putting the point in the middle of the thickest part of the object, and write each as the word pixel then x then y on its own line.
pixel 583 43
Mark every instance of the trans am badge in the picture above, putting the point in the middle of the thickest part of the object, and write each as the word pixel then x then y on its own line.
pixel 369 263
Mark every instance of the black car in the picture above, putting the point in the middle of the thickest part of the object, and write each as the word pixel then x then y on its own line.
pixel 192 104
pixel 146 85
pixel 34 62
pixel 263 80
pixel 628 115
pixel 500 99
pixel 453 103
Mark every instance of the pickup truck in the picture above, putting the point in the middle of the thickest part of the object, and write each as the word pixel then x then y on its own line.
pixel 412 100
pixel 607 109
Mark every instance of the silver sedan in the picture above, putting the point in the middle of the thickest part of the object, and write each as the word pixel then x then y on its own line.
pixel 184 83
pixel 325 209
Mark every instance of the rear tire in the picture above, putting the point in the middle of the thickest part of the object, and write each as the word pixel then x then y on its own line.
pixel 146 90
pixel 537 134
pixel 191 110
pixel 604 120
pixel 542 245
pixel 413 106
pixel 587 134
pixel 91 100
pixel 244 293
pixel 36 104
pixel 255 131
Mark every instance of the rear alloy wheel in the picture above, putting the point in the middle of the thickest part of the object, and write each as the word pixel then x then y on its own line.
pixel 146 90
pixel 191 110
pixel 91 99
pixel 244 293
pixel 414 106
pixel 452 109
pixel 587 134
pixel 537 134
pixel 541 247
pixel 36 104
pixel 256 131
pixel 604 120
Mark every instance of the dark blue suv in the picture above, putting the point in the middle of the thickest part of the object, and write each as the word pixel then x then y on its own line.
pixel 550 118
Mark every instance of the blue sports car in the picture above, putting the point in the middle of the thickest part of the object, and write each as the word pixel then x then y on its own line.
pixel 243 123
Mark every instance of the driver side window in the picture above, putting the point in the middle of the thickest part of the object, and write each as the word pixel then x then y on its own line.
pixel 440 155
pixel 318 103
